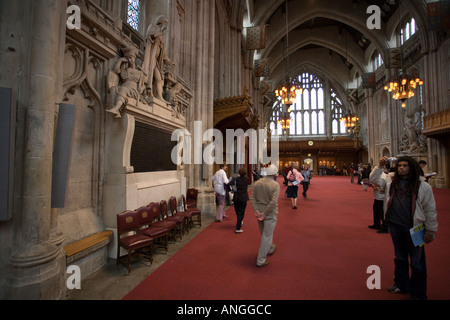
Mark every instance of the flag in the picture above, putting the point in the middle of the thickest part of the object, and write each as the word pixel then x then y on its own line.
pixel 393 58
pixel 438 15
pixel 368 80
pixel 262 68
pixel 256 37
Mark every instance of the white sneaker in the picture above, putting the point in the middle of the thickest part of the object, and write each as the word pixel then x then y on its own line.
pixel 239 231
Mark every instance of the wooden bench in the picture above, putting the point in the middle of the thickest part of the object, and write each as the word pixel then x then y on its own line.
pixel 81 248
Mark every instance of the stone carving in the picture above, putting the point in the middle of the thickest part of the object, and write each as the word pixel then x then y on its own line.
pixel 126 80
pixel 156 79
pixel 412 141
pixel 171 97
pixel 155 58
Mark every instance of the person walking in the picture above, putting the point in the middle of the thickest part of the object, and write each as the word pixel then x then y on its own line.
pixel 307 174
pixel 408 202
pixel 220 180
pixel 294 178
pixel 264 201
pixel 240 197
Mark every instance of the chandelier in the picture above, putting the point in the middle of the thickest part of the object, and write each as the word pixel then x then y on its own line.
pixel 403 87
pixel 350 121
pixel 290 91
pixel 285 119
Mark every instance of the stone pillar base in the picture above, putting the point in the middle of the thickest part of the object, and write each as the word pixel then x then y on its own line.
pixel 206 201
pixel 39 280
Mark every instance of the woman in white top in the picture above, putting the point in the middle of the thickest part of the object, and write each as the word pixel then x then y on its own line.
pixel 219 180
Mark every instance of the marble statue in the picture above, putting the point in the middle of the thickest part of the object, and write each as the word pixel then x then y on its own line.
pixel 155 57
pixel 126 80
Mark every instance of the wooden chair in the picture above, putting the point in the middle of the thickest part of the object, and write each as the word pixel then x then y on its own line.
pixel 129 238
pixel 147 215
pixel 163 222
pixel 178 218
pixel 187 214
pixel 194 212
pixel 191 198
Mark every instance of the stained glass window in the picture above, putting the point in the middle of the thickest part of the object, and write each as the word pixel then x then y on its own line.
pixel 133 16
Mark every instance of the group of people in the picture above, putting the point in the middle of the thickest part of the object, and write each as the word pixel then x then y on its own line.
pixel 293 177
pixel 403 201
pixel 263 199
pixel 362 172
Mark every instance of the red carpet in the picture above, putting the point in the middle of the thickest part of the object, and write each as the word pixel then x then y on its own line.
pixel 324 250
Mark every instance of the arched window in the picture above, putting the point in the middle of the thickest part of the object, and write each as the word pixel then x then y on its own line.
pixel 377 60
pixel 337 113
pixel 408 29
pixel 308 113
pixel 134 13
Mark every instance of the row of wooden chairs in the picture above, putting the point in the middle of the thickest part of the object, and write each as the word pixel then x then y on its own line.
pixel 142 228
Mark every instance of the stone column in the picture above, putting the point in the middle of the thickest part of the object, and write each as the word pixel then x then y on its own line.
pixel 36 263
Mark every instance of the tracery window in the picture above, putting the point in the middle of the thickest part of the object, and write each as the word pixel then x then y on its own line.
pixel 408 29
pixel 337 112
pixel 308 113
pixel 134 13
pixel 377 60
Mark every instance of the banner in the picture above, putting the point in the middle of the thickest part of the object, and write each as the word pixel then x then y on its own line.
pixel 393 58
pixel 256 37
pixel 438 15
pixel 262 68
pixel 368 80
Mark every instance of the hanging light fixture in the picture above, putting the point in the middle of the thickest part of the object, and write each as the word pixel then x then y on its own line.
pixel 403 85
pixel 350 121
pixel 291 90
pixel 284 120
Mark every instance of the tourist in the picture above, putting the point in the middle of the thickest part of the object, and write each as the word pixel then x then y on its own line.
pixel 408 203
pixel 294 178
pixel 220 180
pixel 264 201
pixel 378 183
pixel 240 197
pixel 307 174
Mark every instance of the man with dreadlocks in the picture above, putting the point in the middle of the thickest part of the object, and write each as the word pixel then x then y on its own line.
pixel 409 201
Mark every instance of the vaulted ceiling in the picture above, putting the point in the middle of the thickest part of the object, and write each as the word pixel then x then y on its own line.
pixel 328 37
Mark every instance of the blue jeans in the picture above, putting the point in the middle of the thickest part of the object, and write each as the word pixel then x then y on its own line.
pixel 404 248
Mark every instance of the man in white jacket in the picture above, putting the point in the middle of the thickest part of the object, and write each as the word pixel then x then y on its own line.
pixel 220 180
pixel 408 202
pixel 379 183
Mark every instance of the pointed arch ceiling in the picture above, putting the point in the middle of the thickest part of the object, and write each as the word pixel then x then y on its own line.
pixel 328 34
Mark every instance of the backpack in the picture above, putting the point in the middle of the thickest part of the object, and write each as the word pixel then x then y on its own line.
pixel 292 177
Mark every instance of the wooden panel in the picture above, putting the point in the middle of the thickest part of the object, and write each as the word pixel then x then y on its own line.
pixel 86 243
